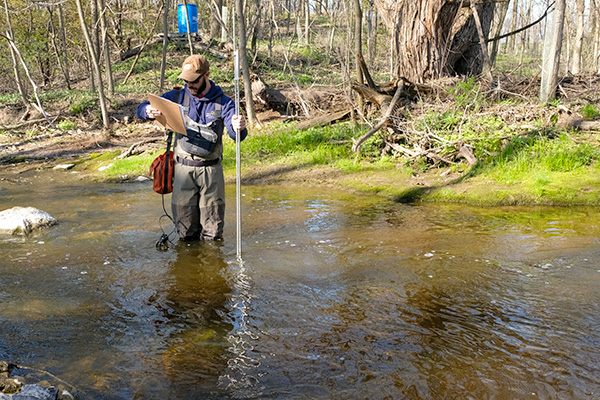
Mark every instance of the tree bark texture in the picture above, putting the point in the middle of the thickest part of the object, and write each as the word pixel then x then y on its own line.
pixel 242 39
pixel 215 23
pixel 552 51
pixel 435 38
pixel 496 28
pixel 578 43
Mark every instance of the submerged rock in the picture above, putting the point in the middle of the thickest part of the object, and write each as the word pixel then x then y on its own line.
pixel 15 386
pixel 34 392
pixel 24 220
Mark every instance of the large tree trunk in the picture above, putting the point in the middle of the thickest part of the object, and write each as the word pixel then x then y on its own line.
pixel 435 38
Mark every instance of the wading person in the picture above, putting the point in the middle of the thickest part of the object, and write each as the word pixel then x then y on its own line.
pixel 198 199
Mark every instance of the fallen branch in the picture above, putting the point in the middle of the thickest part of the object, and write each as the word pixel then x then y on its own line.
pixel 323 120
pixel 133 149
pixel 388 113
pixel 28 123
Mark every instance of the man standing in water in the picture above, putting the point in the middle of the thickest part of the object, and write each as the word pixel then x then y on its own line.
pixel 198 199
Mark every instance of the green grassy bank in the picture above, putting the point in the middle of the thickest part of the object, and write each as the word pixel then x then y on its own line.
pixel 547 167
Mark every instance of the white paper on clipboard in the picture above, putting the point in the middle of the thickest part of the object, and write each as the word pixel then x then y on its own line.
pixel 172 113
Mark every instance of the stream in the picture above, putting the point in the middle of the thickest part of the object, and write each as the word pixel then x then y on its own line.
pixel 337 296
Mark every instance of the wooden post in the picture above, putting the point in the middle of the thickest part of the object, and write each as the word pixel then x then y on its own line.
pixel 552 48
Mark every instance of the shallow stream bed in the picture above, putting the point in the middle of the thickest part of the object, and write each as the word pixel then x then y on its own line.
pixel 337 297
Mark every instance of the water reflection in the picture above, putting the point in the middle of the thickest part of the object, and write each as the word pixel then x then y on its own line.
pixel 197 300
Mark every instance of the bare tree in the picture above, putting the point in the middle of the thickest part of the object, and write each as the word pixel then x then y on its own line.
pixel 511 46
pixel 241 20
pixel 552 50
pixel 95 63
pixel 358 49
pixel 63 40
pixel 187 23
pixel 215 22
pixel 496 28
pixel 59 57
pixel 595 14
pixel 163 64
pixel 13 55
pixel 578 43
pixel 106 48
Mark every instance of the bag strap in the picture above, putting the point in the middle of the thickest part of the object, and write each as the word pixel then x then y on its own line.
pixel 166 175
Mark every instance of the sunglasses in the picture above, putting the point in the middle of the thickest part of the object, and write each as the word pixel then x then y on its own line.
pixel 194 82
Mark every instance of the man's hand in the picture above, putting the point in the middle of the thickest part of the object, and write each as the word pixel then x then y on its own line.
pixel 152 112
pixel 238 122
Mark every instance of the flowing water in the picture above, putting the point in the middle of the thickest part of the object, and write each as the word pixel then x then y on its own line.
pixel 337 297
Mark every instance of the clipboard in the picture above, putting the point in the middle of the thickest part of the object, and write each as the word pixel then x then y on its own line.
pixel 172 113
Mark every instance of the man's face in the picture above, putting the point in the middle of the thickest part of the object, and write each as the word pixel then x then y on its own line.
pixel 198 86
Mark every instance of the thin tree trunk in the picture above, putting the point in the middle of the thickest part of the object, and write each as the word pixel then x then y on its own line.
pixel 525 34
pixel 163 65
pixel 95 63
pixel 496 28
pixel 215 25
pixel 56 51
pixel 187 23
pixel 95 31
pixel 567 35
pixel 552 50
pixel 33 85
pixel 596 25
pixel 511 47
pixel 271 30
pixel 63 39
pixel 18 79
pixel 299 32
pixel 244 63
pixel 106 46
pixel 578 44
pixel 372 40
pixel 307 22
pixel 358 49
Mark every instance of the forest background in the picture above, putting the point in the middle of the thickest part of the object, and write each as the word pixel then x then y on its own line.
pixel 490 103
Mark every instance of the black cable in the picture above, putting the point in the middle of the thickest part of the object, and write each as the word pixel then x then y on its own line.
pixel 163 242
